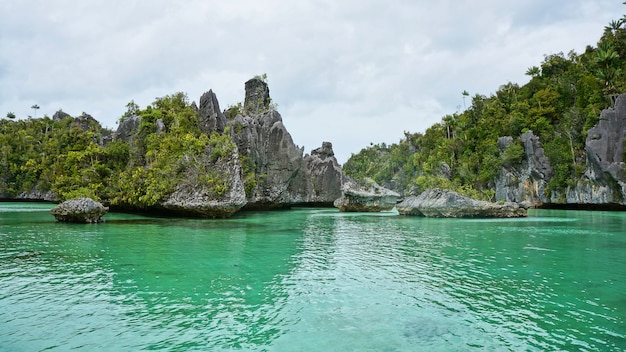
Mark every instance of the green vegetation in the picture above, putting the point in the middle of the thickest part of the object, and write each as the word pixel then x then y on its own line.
pixel 76 157
pixel 560 103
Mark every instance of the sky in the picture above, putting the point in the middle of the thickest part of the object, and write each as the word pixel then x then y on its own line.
pixel 348 72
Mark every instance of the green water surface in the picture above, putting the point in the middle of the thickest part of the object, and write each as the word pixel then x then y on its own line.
pixel 312 280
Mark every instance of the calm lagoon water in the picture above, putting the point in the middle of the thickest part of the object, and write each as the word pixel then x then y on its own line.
pixel 312 280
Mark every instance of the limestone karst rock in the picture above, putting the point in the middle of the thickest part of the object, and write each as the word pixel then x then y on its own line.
pixel 436 203
pixel 365 196
pixel 81 210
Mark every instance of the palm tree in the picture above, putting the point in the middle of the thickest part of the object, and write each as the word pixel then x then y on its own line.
pixel 11 115
pixel 464 94
pixel 533 71
pixel 614 25
pixel 605 58
pixel 35 108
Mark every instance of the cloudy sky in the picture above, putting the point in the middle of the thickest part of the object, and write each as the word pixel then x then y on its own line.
pixel 349 72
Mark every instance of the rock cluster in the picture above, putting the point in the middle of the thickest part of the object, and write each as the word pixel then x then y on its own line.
pixel 436 203
pixel 81 210
pixel 367 196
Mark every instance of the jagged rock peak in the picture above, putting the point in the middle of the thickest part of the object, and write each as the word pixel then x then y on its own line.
pixel 257 96
pixel 210 118
pixel 60 115
pixel 325 151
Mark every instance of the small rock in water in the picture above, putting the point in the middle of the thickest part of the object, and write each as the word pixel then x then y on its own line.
pixel 81 210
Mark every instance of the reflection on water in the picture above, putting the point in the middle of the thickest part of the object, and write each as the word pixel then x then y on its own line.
pixel 312 280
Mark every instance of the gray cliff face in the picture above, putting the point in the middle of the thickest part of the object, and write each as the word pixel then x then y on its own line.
pixel 604 181
pixel 527 183
pixel 284 176
pixel 321 180
pixel 436 203
pixel 210 118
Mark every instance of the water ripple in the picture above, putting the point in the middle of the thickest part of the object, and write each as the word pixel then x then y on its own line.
pixel 313 280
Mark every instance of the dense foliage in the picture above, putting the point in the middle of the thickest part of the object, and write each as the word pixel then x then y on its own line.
pixel 560 103
pixel 77 157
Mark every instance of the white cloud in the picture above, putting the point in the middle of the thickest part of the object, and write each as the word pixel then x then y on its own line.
pixel 351 72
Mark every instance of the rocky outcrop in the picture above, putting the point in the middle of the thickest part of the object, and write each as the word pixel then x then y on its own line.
pixel 603 183
pixel 127 128
pixel 257 96
pixel 81 210
pixel 367 196
pixel 211 118
pixel 320 181
pixel 604 180
pixel 203 199
pixel 436 203
pixel 283 175
pixel 60 115
pixel 37 194
pixel 277 174
pixel 524 184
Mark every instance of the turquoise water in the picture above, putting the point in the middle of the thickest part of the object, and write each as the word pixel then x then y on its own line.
pixel 312 280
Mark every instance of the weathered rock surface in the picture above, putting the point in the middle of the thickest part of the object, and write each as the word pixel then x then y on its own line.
pixel 527 183
pixel 604 180
pixel 196 198
pixel 320 181
pixel 365 197
pixel 210 118
pixel 436 203
pixel 60 115
pixel 284 176
pixel 81 210
pixel 277 171
pixel 257 96
pixel 127 128
pixel 36 194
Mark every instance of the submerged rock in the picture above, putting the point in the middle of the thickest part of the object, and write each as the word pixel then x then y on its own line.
pixel 436 203
pixel 367 196
pixel 81 210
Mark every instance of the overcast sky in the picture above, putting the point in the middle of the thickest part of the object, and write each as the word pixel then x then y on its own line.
pixel 349 72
